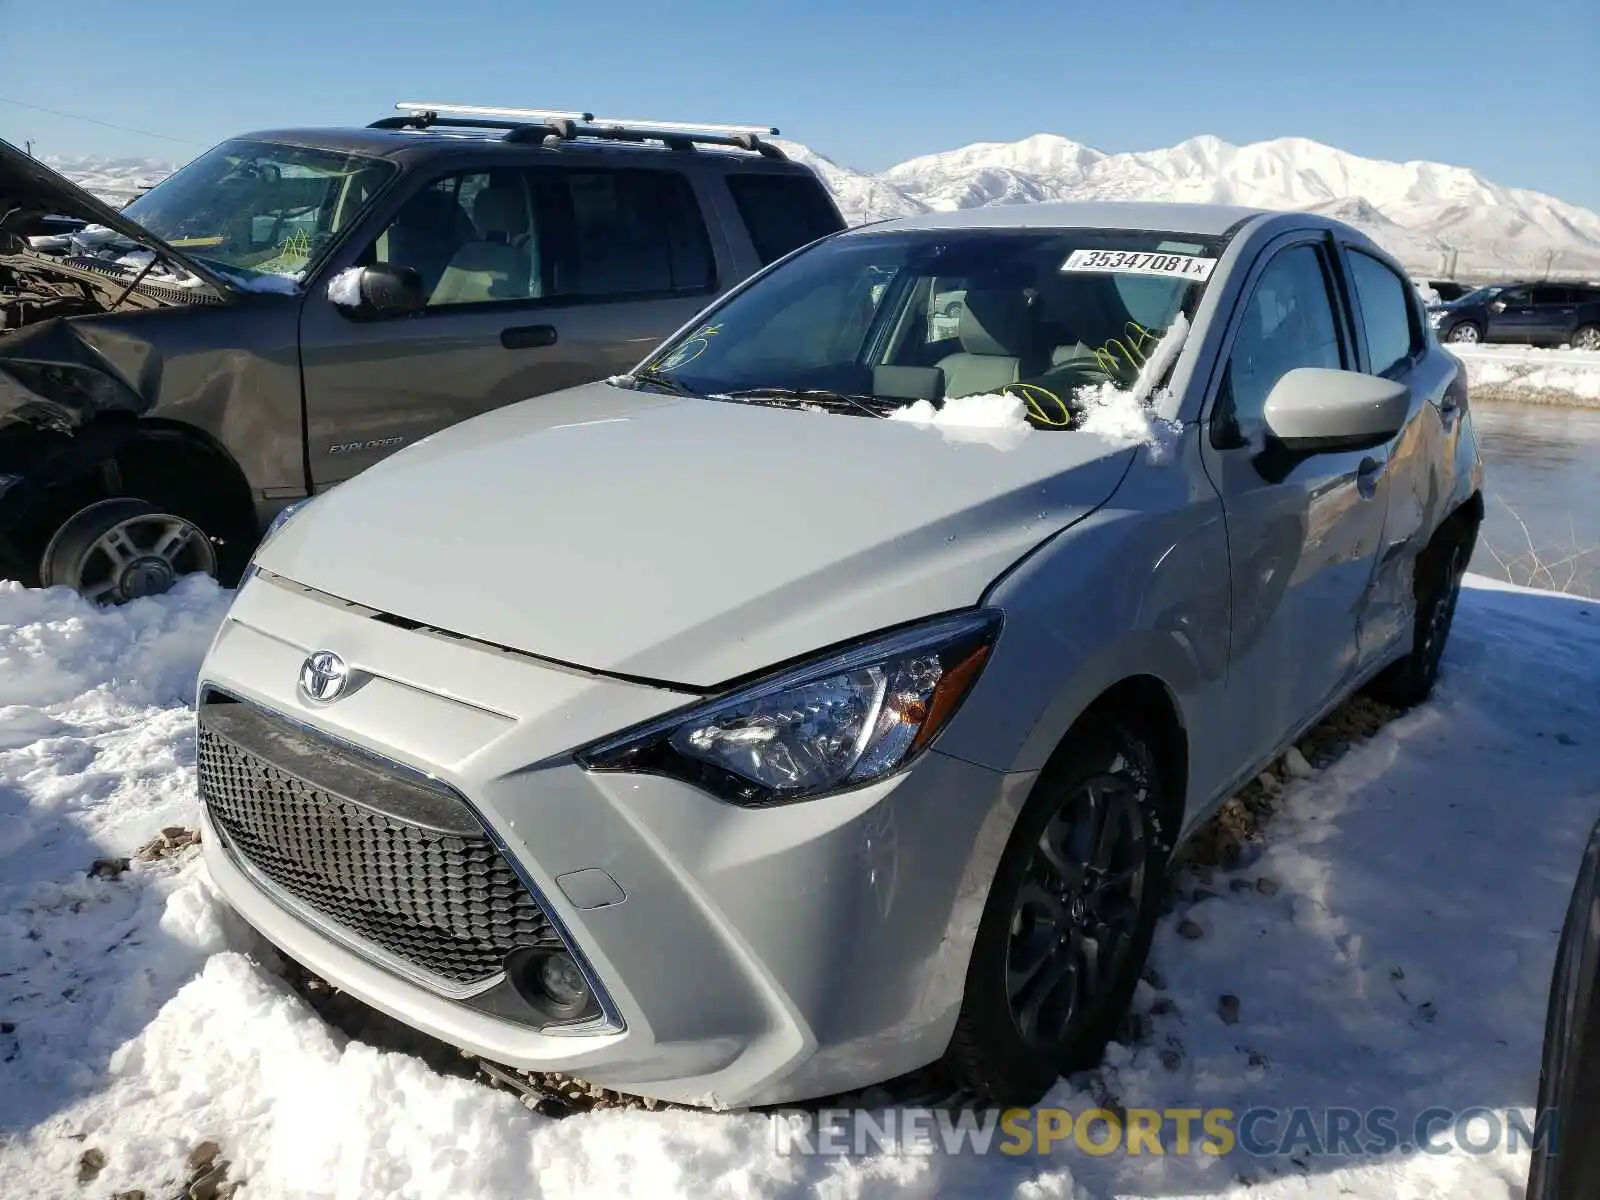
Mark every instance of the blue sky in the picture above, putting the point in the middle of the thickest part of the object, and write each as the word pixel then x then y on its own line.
pixel 1508 89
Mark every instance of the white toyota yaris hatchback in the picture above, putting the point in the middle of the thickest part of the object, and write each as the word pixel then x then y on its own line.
pixel 824 699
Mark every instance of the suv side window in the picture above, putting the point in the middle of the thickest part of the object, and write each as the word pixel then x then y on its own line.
pixel 782 212
pixel 471 236
pixel 1551 296
pixel 1387 315
pixel 1288 322
pixel 623 234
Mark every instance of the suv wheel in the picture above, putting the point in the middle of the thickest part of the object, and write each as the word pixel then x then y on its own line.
pixel 1465 332
pixel 117 550
pixel 1587 338
pixel 1067 926
pixel 1438 588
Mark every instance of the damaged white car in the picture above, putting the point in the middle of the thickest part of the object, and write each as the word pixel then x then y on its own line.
pixel 822 701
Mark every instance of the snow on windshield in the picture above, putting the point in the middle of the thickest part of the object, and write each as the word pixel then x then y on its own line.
pixel 1125 414
pixel 1120 414
pixel 995 419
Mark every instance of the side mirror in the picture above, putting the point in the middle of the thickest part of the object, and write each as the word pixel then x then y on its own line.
pixel 1314 410
pixel 381 290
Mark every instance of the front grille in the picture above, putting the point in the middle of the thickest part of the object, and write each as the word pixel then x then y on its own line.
pixel 403 864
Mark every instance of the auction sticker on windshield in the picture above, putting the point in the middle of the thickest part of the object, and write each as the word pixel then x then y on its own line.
pixel 1139 262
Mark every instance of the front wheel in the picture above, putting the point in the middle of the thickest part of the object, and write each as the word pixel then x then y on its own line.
pixel 1587 338
pixel 118 550
pixel 1466 333
pixel 1068 922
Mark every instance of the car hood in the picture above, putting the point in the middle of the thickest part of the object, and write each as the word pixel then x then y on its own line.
pixel 687 541
pixel 28 189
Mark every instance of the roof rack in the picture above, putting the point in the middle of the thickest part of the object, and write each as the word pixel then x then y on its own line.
pixel 554 126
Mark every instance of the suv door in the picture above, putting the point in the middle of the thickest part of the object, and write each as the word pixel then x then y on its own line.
pixel 1393 345
pixel 1511 316
pixel 539 278
pixel 1551 319
pixel 1303 531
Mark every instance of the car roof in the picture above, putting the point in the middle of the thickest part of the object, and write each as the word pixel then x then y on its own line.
pixel 447 142
pixel 1205 220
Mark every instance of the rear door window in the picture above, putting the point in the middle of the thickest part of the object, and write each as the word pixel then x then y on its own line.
pixel 623 234
pixel 1387 315
pixel 783 212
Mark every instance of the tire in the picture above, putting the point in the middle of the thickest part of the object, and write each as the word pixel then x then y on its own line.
pixel 1015 1036
pixel 1587 337
pixel 1466 333
pixel 113 551
pixel 1410 681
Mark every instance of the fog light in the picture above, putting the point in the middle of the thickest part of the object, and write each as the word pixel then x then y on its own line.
pixel 562 981
pixel 551 983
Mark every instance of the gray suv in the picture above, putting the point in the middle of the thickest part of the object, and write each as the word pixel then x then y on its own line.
pixel 292 306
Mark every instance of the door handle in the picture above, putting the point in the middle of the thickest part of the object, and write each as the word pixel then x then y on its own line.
pixel 1367 476
pixel 528 337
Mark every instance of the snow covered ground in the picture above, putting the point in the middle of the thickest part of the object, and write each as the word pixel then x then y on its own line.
pixel 1397 956
pixel 1569 377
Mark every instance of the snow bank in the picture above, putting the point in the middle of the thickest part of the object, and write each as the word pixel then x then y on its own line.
pixel 1400 958
pixel 1528 373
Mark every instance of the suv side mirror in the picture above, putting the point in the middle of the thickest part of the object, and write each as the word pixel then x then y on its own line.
pixel 1314 410
pixel 390 290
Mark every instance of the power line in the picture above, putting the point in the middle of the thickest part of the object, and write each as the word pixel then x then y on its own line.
pixel 56 112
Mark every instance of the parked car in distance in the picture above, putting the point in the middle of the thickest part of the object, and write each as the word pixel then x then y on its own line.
pixel 1539 314
pixel 717 733
pixel 1566 1163
pixel 293 306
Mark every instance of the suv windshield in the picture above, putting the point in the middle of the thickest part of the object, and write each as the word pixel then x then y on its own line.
pixel 900 316
pixel 1481 295
pixel 259 207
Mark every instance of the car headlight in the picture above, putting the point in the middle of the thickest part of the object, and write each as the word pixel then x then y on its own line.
pixel 1435 319
pixel 275 527
pixel 832 724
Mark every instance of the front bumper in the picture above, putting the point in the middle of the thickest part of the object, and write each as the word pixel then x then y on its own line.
pixel 755 956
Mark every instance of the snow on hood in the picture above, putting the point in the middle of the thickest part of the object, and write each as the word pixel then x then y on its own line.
pixel 992 419
pixel 686 540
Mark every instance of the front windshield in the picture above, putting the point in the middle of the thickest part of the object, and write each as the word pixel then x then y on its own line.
pixel 1482 295
pixel 932 315
pixel 260 207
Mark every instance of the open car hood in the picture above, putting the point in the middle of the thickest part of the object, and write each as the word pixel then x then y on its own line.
pixel 29 189
pixel 684 540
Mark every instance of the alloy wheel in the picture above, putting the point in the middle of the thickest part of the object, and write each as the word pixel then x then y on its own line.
pixel 1076 913
pixel 119 550
pixel 1588 338
pixel 1464 333
pixel 1442 606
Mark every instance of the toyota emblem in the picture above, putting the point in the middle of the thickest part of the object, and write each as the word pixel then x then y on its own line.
pixel 323 677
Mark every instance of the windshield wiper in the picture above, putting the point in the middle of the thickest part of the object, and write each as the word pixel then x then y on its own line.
pixel 869 406
pixel 666 382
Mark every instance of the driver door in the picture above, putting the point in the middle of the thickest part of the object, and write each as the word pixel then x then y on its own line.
pixel 1304 531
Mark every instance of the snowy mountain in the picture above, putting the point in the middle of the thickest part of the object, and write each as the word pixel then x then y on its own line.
pixel 1423 212
pixel 114 180
pixel 1420 211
